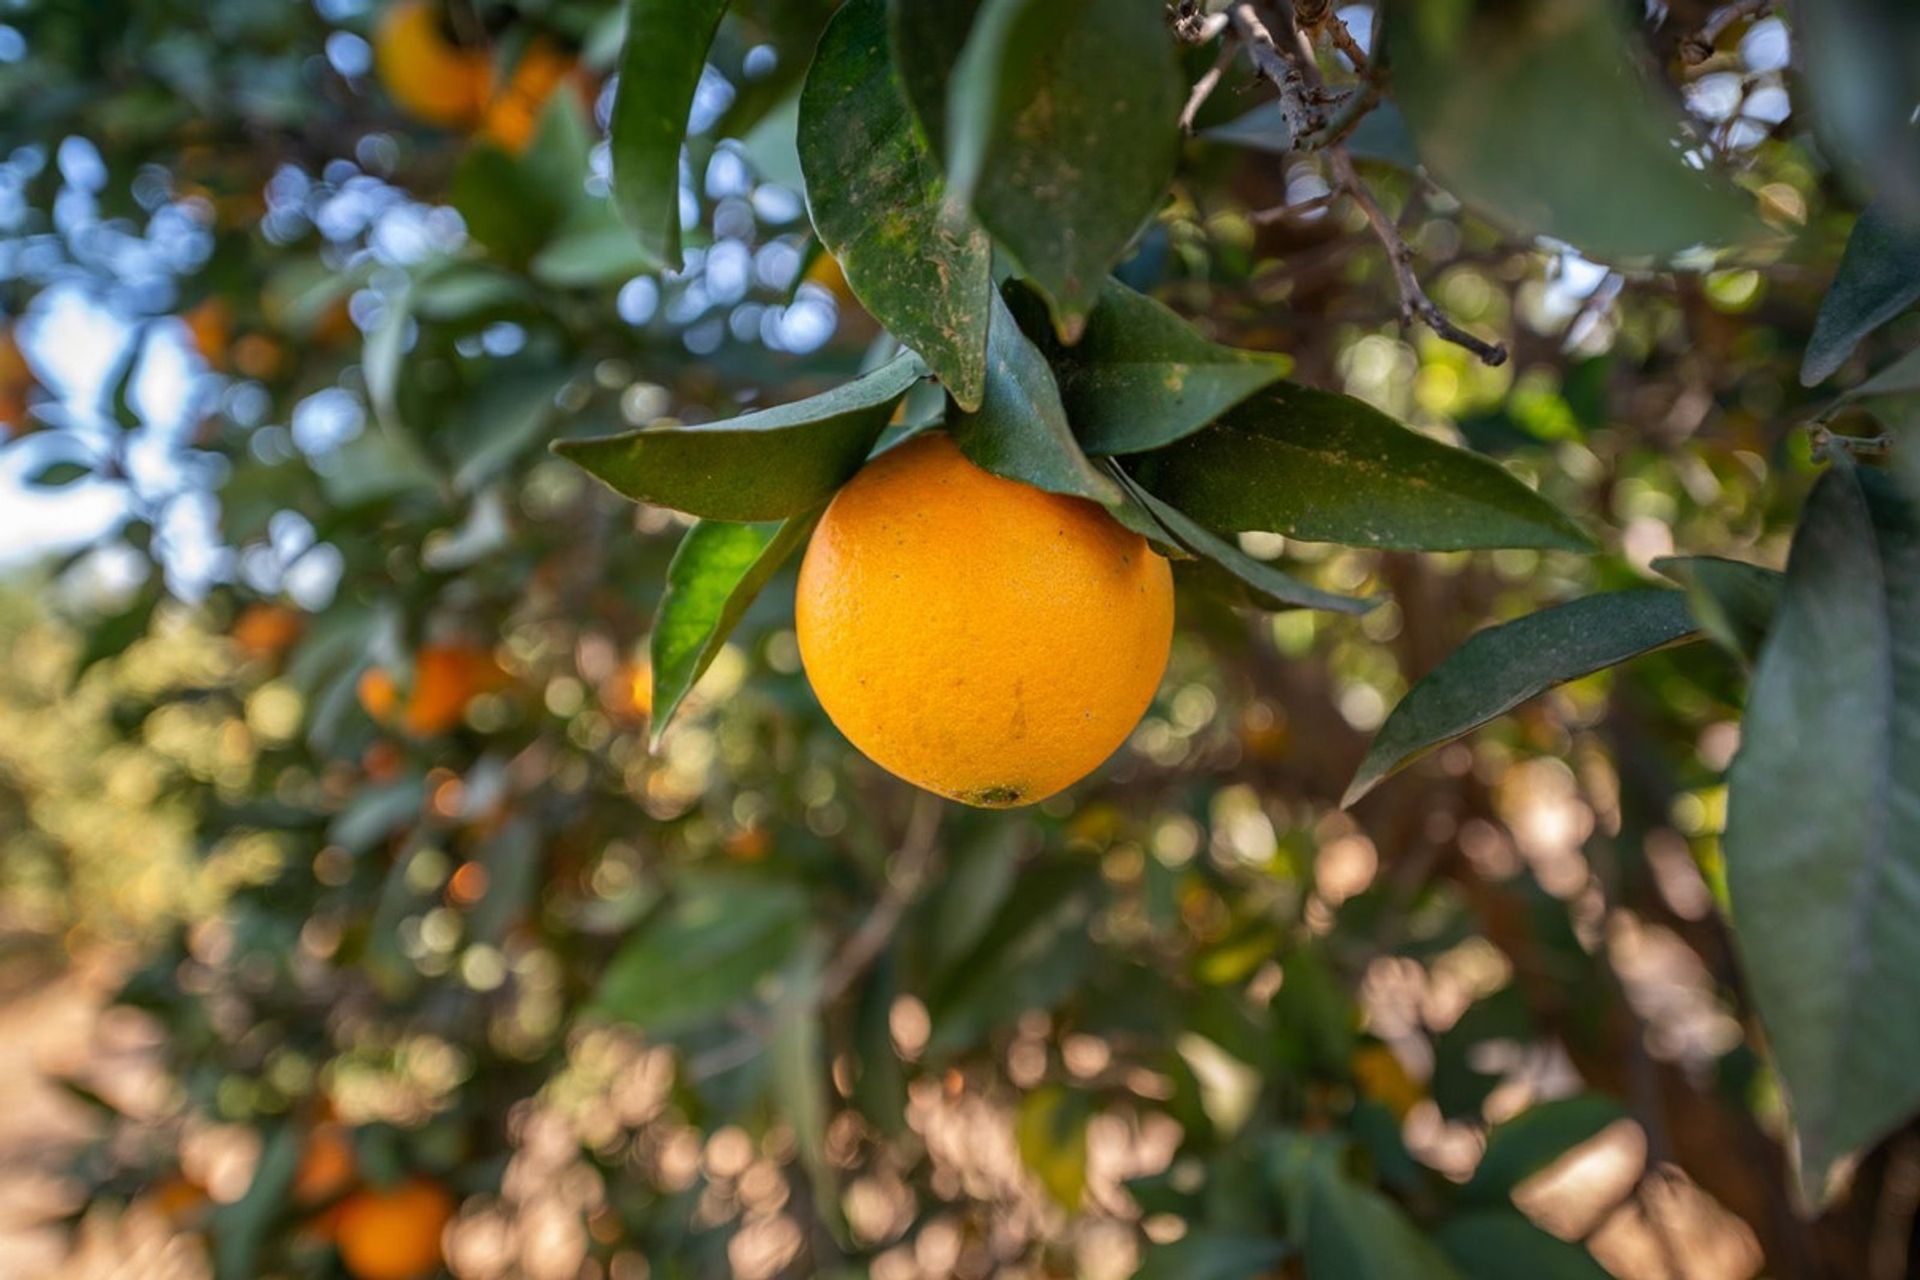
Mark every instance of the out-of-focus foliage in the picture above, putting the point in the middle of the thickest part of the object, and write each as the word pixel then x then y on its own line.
pixel 337 737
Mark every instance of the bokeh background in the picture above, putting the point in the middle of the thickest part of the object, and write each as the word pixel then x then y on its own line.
pixel 332 851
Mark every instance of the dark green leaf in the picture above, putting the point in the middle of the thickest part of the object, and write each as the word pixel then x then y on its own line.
pixel 1516 108
pixel 1326 467
pixel 506 414
pixel 660 68
pixel 1859 61
pixel 591 247
pixel 1020 430
pixel 1141 377
pixel 120 383
pixel 764 465
pixel 241 1228
pixel 113 635
pixel 1534 1139
pixel 703 952
pixel 1355 1233
pixel 1259 583
pixel 58 475
pixel 1062 132
pixel 1733 602
pixel 1212 1255
pixel 927 38
pixel 1501 667
pixel 798 1077
pixel 1823 823
pixel 1504 1245
pixel 376 812
pixel 915 258
pixel 1878 278
pixel 715 575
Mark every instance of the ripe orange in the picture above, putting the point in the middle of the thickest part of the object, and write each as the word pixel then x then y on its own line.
pixel 426 74
pixel 327 1165
pixel 265 630
pixel 210 324
pixel 183 1201
pixel 445 679
pixel 514 113
pixel 393 1234
pixel 1378 1074
pixel 16 381
pixel 979 637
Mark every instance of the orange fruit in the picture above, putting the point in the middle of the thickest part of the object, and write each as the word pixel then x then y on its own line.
pixel 16 381
pixel 514 113
pixel 425 73
pixel 265 630
pixel 976 636
pixel 445 679
pixel 182 1200
pixel 327 1165
pixel 393 1233
pixel 210 323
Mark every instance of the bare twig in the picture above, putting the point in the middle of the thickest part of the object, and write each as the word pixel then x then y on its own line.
pixel 1827 444
pixel 1343 41
pixel 1698 47
pixel 1414 302
pixel 1194 25
pixel 1280 213
pixel 910 867
pixel 1203 88
pixel 1297 97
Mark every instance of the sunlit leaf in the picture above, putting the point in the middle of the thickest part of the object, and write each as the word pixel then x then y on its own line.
pixel 1326 467
pixel 764 465
pixel 1823 823
pixel 1523 1146
pixel 1501 667
pixel 915 259
pixel 660 68
pixel 714 578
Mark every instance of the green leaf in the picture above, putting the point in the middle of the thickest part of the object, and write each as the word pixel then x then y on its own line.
pixel 1020 429
pixel 702 953
pixel 1823 824
pixel 513 204
pixel 1501 667
pixel 1878 278
pixel 1212 1255
pixel 1505 1245
pixel 590 248
pixel 1050 1131
pixel 764 465
pixel 660 68
pixel 58 475
pixel 1859 63
pixel 1141 377
pixel 1355 1233
pixel 927 36
pixel 1326 467
pixel 1259 583
pixel 1733 602
pixel 714 577
pixel 916 260
pixel 1062 131
pixel 798 1077
pixel 242 1228
pixel 1517 108
pixel 1534 1139
pixel 119 387
pixel 503 417
pixel 113 635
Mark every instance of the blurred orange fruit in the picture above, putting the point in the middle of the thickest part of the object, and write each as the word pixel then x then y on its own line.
pixel 979 637
pixel 16 381
pixel 514 113
pixel 629 692
pixel 748 844
pixel 210 323
pixel 446 678
pixel 825 271
pixel 426 74
pixel 181 1199
pixel 393 1233
pixel 328 1165
pixel 266 630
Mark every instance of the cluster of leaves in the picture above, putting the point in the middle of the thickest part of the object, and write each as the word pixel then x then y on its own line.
pixel 439 932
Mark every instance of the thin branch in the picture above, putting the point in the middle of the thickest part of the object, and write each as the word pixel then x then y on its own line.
pixel 1414 302
pixel 1297 107
pixel 911 866
pixel 1280 213
pixel 1698 47
pixel 1343 41
pixel 1203 88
